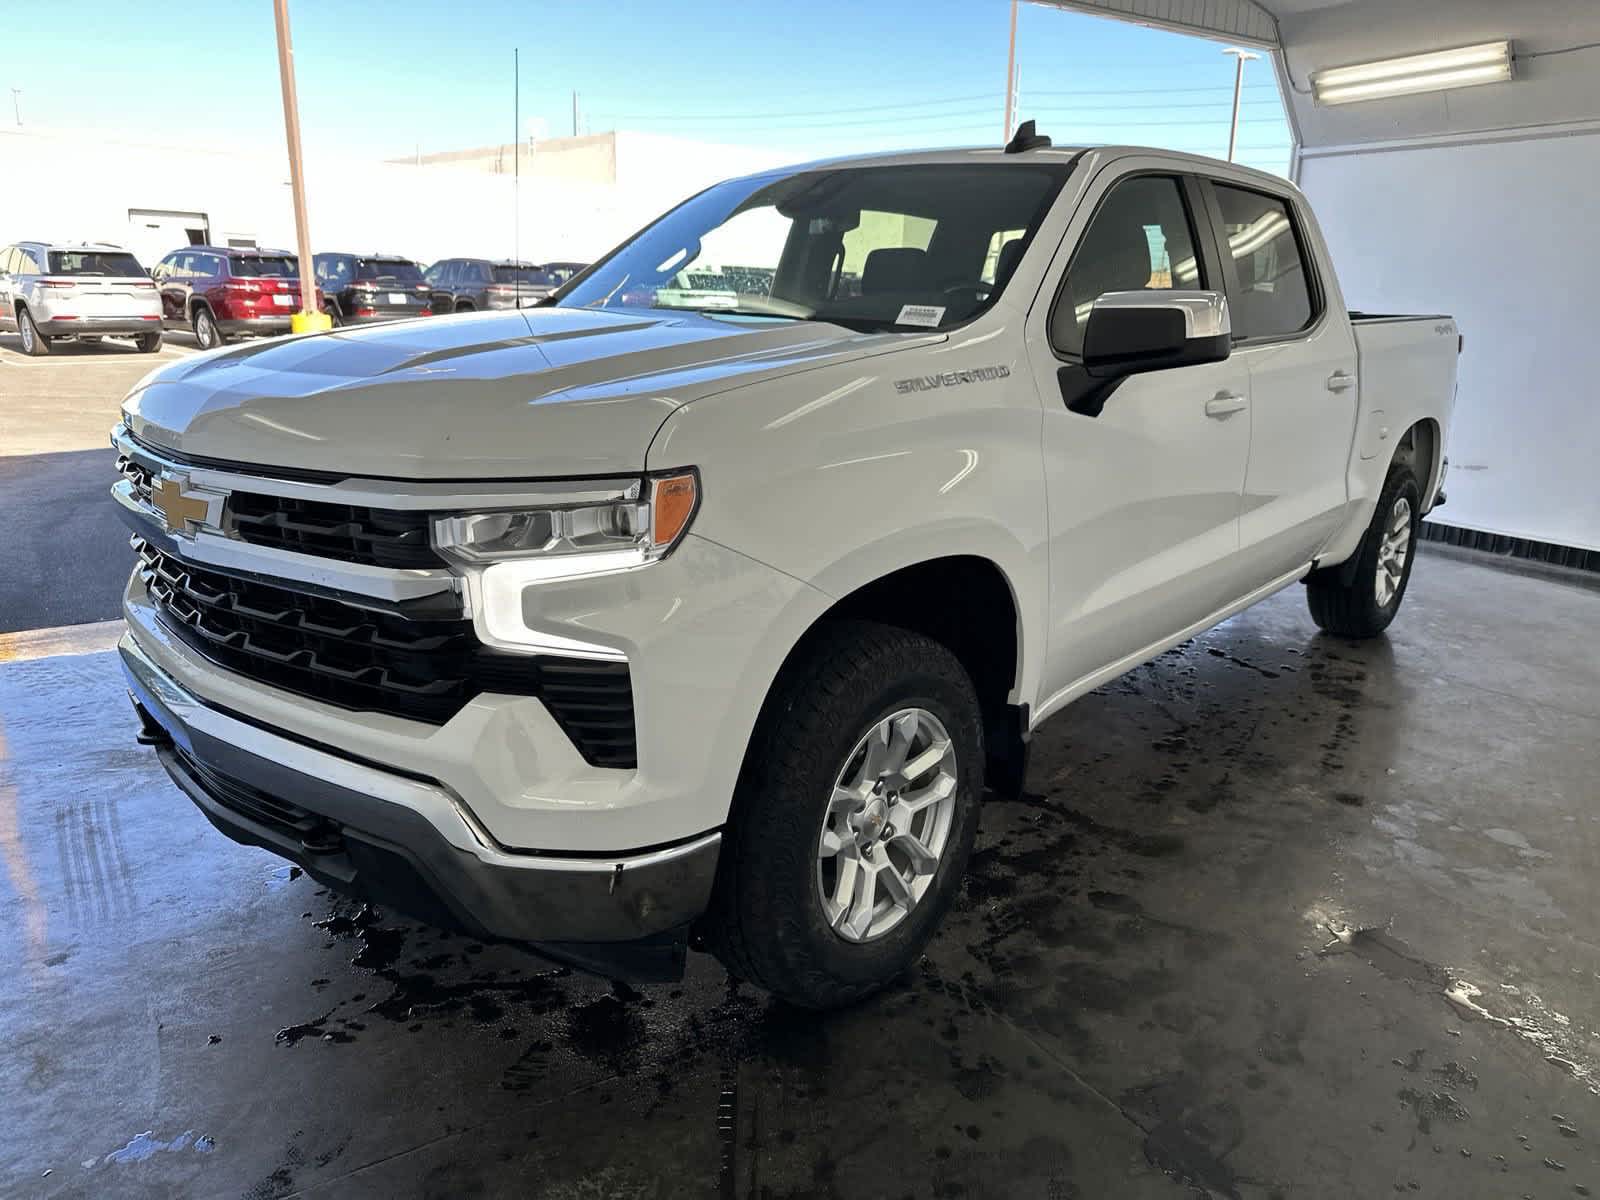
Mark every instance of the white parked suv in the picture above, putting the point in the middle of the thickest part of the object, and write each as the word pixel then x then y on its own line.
pixel 83 290
pixel 616 626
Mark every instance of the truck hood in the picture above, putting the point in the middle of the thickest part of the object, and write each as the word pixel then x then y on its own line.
pixel 522 394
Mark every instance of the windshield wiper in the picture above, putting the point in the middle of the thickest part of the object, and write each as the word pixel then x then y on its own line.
pixel 722 311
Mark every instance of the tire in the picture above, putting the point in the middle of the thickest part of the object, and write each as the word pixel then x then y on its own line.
pixel 1350 599
pixel 332 310
pixel 769 921
pixel 466 307
pixel 33 342
pixel 206 331
pixel 148 343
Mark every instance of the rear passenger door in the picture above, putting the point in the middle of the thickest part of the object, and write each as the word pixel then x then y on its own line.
pixel 1143 497
pixel 438 277
pixel 1302 363
pixel 8 303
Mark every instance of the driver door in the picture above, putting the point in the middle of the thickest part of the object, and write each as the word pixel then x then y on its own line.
pixel 1144 497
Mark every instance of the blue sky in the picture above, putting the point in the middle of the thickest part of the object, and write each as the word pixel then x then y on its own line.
pixel 813 77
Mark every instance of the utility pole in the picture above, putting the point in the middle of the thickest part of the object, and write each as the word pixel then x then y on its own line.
pixel 1011 77
pixel 574 114
pixel 516 161
pixel 308 319
pixel 1238 86
pixel 16 106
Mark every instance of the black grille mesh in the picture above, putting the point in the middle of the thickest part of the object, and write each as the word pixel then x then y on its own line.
pixel 424 670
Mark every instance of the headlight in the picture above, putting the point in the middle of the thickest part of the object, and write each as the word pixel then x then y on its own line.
pixel 640 524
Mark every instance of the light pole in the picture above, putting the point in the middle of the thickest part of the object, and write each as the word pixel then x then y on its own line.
pixel 308 319
pixel 1011 76
pixel 1238 86
pixel 16 105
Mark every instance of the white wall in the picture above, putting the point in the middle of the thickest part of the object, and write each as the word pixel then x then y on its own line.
pixel 1480 203
pixel 76 187
pixel 1502 236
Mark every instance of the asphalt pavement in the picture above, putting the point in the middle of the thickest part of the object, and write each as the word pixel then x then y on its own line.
pixel 65 552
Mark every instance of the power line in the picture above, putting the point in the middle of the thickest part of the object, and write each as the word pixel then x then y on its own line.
pixel 815 112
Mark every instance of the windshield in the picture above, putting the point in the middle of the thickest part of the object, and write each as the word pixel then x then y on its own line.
pixel 924 246
pixel 389 268
pixel 95 262
pixel 257 266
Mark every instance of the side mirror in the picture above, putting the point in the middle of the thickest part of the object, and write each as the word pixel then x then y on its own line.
pixel 1133 332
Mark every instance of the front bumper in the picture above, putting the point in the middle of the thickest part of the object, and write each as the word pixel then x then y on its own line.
pixel 121 326
pixel 409 842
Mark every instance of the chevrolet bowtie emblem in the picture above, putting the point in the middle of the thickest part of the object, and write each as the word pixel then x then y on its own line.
pixel 179 506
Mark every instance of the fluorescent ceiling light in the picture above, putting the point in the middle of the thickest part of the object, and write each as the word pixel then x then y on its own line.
pixel 1467 66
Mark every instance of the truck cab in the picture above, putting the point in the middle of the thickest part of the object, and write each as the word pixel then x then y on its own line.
pixel 704 602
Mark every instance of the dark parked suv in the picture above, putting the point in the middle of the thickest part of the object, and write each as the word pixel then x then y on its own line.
pixel 379 287
pixel 464 284
pixel 220 292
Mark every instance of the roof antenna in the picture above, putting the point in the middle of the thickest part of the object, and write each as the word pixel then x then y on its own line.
pixel 1026 139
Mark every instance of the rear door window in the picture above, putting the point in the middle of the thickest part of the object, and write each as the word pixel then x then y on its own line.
pixel 1139 239
pixel 1274 295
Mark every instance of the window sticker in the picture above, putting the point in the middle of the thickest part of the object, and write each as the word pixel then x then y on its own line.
pixel 925 315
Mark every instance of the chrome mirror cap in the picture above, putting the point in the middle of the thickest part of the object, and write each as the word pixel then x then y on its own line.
pixel 1205 314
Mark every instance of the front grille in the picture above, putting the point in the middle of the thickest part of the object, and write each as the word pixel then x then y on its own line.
pixel 137 474
pixel 421 669
pixel 379 537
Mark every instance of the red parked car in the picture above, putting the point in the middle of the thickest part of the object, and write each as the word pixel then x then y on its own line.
pixel 222 292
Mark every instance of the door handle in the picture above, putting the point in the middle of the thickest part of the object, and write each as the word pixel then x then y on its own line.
pixel 1224 404
pixel 1341 381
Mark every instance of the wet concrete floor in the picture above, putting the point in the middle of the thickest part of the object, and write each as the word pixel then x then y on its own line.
pixel 1280 916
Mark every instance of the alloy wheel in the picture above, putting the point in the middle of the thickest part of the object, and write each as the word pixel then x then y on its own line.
pixel 1393 552
pixel 887 824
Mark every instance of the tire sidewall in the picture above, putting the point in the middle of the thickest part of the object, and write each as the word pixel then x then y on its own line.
pixel 1401 482
pixel 203 320
pixel 868 963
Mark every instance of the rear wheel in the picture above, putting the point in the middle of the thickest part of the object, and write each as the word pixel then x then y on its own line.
pixel 332 310
pixel 148 343
pixel 854 817
pixel 206 331
pixel 1359 601
pixel 33 342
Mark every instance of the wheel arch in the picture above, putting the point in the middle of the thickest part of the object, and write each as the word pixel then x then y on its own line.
pixel 965 601
pixel 1420 448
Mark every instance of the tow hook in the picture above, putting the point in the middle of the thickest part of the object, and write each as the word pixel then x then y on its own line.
pixel 151 732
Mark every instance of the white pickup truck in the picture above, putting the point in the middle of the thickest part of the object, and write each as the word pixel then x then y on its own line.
pixel 629 623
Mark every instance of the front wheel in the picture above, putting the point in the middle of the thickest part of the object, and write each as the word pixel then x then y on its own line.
pixel 1360 602
pixel 854 817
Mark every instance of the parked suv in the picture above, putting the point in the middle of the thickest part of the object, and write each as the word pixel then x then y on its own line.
pixel 360 290
pixel 86 290
pixel 465 284
pixel 221 292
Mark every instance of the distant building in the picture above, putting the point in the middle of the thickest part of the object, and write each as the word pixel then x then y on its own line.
pixel 578 196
